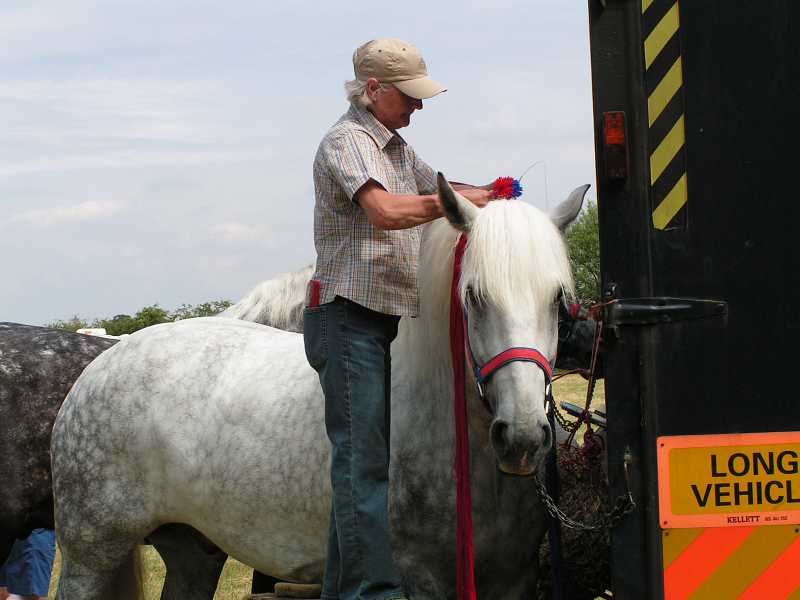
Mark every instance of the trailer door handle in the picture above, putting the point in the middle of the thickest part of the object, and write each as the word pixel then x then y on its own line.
pixel 652 311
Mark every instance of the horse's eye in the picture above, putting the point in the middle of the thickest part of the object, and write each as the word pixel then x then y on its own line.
pixel 472 299
pixel 561 303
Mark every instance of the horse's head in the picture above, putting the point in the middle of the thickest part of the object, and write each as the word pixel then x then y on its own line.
pixel 515 269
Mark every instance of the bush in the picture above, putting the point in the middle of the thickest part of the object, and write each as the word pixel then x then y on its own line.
pixel 583 242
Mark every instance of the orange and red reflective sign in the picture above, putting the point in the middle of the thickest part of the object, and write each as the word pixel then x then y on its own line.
pixel 729 480
pixel 731 563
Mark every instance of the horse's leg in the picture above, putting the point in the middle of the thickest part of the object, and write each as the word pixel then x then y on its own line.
pixel 193 562
pixel 100 559
pixel 101 571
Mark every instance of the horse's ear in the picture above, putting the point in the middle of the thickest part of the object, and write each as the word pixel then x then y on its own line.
pixel 566 212
pixel 457 209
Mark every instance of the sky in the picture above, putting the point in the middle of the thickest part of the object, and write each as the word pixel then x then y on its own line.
pixel 161 151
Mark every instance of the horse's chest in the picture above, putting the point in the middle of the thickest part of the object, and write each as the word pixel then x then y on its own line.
pixel 507 523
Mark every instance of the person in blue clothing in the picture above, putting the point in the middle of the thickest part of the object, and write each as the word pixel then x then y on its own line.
pixel 27 571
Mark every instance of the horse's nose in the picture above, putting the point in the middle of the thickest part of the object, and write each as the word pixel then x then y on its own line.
pixel 511 447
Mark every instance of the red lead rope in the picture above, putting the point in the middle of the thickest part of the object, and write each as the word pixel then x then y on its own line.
pixel 465 549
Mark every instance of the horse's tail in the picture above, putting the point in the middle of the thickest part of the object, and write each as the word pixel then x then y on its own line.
pixel 127 584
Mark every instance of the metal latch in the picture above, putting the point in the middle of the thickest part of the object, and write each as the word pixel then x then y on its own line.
pixel 652 311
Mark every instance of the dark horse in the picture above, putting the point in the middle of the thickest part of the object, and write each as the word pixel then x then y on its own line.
pixel 38 367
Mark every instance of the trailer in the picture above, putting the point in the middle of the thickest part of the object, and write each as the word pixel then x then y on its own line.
pixel 695 104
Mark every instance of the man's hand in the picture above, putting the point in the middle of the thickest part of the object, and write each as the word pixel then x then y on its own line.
pixel 478 196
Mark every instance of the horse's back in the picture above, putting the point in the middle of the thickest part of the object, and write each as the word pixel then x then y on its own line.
pixel 167 357
pixel 175 391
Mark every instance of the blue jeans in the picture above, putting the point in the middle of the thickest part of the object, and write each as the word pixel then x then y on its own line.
pixel 348 346
pixel 28 568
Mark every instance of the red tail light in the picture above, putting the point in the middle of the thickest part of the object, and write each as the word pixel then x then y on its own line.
pixel 615 146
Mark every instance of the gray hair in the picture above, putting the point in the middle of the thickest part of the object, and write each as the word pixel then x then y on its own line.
pixel 356 92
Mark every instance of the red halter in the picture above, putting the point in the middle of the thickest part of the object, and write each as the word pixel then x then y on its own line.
pixel 515 354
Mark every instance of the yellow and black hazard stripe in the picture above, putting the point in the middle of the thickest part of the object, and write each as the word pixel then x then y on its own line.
pixel 665 112
pixel 732 563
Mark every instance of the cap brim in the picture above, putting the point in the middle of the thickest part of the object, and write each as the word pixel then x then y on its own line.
pixel 421 88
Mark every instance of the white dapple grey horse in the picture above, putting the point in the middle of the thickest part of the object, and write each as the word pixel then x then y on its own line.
pixel 217 425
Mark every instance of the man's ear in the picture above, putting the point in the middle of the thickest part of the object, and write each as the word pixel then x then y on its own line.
pixel 373 85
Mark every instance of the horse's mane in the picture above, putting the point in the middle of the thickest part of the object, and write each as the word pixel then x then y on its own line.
pixel 276 302
pixel 515 256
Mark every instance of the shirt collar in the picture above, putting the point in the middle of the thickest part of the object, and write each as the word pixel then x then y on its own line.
pixel 375 128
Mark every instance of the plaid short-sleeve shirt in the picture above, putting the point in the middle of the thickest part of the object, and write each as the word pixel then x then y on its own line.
pixel 356 260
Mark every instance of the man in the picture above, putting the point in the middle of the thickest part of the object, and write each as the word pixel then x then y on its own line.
pixel 372 190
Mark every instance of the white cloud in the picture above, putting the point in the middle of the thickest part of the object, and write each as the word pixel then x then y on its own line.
pixel 121 158
pixel 101 123
pixel 28 20
pixel 129 101
pixel 59 215
pixel 233 231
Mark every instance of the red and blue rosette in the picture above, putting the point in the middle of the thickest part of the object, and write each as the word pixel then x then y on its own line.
pixel 505 188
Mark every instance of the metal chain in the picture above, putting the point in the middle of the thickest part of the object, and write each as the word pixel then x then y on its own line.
pixel 566 424
pixel 624 505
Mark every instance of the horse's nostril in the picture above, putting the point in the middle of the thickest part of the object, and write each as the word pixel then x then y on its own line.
pixel 547 439
pixel 499 436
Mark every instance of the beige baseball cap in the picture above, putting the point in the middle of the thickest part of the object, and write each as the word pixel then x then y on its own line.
pixel 394 61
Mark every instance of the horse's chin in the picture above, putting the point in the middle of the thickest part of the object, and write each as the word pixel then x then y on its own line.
pixel 516 470
pixel 520 468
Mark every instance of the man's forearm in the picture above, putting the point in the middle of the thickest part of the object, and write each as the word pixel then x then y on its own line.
pixel 402 212
pixel 457 185
pixel 394 211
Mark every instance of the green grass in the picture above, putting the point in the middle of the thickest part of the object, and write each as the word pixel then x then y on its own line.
pixel 572 388
pixel 234 582
pixel 236 577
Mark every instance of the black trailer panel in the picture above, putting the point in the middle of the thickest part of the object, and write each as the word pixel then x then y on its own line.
pixel 707 211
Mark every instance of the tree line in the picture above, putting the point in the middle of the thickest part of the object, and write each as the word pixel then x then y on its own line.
pixel 149 315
